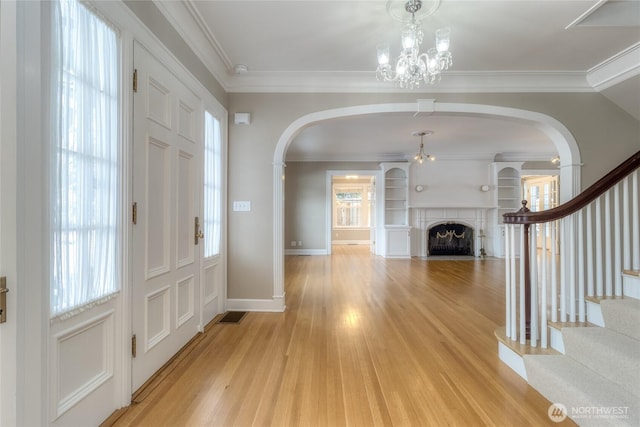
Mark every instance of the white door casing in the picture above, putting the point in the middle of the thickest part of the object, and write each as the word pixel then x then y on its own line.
pixel 167 182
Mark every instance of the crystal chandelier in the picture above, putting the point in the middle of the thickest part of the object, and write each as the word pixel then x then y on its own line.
pixel 422 156
pixel 412 67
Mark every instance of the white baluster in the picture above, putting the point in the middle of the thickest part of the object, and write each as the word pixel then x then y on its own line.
pixel 543 288
pixel 571 285
pixel 608 266
pixel 635 222
pixel 554 271
pixel 598 254
pixel 581 282
pixel 590 256
pixel 563 276
pixel 507 279
pixel 533 270
pixel 626 225
pixel 514 329
pixel 617 241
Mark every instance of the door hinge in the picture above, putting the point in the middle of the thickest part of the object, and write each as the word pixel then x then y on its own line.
pixel 134 213
pixel 134 349
pixel 135 80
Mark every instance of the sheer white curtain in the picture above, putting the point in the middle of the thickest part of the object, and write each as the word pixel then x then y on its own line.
pixel 212 185
pixel 84 185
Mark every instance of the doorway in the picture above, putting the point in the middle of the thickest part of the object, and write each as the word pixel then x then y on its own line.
pixel 353 209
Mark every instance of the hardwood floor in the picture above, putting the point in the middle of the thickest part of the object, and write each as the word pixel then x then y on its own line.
pixel 364 341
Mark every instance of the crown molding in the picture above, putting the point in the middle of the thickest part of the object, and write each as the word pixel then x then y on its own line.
pixel 616 69
pixel 187 21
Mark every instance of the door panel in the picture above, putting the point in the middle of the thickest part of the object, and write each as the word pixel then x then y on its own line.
pixel 167 185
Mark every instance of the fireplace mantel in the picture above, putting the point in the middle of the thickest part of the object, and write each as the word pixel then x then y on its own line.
pixel 423 217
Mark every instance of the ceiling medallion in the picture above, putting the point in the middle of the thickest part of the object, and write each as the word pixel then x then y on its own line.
pixel 413 68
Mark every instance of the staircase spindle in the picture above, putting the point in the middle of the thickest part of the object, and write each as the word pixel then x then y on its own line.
pixel 617 242
pixel 571 285
pixel 581 281
pixel 635 222
pixel 507 279
pixel 608 264
pixel 514 333
pixel 626 226
pixel 543 288
pixel 563 276
pixel 590 254
pixel 523 291
pixel 554 272
pixel 598 230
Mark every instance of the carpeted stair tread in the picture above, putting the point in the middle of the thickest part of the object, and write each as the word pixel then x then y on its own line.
pixel 610 354
pixel 622 315
pixel 563 380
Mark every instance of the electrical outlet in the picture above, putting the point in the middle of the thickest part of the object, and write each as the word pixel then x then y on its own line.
pixel 293 243
pixel 299 243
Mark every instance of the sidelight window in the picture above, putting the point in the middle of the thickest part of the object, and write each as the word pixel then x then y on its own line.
pixel 84 159
pixel 212 185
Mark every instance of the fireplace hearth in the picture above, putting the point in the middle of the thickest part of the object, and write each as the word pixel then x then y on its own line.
pixel 450 239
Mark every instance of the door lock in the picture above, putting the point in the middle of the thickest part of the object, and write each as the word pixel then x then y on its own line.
pixel 197 232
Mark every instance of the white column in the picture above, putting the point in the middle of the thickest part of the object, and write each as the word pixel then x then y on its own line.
pixel 278 234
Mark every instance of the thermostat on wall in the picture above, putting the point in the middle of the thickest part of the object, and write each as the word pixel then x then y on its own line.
pixel 419 188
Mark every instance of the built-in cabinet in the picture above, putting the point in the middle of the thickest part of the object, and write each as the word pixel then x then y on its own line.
pixel 396 210
pixel 508 191
pixel 508 197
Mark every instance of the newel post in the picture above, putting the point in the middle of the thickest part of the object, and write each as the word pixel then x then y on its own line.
pixel 527 276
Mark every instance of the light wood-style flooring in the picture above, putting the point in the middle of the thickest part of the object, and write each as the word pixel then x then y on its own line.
pixel 364 341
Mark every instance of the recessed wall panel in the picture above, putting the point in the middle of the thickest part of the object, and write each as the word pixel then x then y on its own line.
pixel 157 212
pixel 185 300
pixel 158 103
pixel 186 121
pixel 210 288
pixel 185 216
pixel 83 361
pixel 157 319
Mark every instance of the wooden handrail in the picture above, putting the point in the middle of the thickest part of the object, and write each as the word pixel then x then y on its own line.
pixel 524 216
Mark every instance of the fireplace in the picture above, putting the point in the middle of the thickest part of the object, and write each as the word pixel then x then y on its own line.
pixel 450 239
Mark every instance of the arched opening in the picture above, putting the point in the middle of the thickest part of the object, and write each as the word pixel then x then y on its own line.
pixel 560 136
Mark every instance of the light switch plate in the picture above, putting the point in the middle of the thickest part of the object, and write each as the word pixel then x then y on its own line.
pixel 242 206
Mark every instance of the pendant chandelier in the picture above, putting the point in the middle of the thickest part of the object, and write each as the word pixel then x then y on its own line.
pixel 413 68
pixel 421 156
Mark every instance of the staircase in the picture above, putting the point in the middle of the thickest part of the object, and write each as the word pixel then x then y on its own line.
pixel 573 309
pixel 596 373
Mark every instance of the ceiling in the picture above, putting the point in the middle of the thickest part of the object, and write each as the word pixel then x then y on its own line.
pixel 497 46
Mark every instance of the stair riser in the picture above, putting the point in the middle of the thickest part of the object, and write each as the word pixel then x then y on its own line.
pixel 631 286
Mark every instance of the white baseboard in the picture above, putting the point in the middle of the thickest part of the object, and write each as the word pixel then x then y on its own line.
pixel 277 304
pixel 305 252
pixel 351 242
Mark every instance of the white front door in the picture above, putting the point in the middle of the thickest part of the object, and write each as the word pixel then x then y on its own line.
pixel 8 352
pixel 167 185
